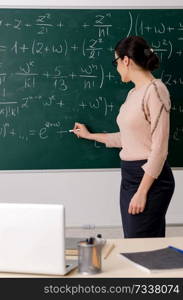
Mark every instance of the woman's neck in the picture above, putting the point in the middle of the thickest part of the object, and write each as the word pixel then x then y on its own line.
pixel 141 78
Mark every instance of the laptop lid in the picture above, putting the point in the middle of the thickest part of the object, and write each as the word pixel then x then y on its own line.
pixel 32 238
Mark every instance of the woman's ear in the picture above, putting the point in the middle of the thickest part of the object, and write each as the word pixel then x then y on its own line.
pixel 126 60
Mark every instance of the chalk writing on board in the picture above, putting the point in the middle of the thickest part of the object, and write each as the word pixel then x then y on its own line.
pixel 55 69
pixel 89 76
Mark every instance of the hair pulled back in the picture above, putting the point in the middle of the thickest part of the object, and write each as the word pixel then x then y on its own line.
pixel 136 48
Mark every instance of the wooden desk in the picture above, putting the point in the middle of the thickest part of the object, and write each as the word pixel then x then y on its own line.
pixel 115 266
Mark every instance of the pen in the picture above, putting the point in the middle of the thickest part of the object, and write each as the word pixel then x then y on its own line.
pixel 109 251
pixel 72 130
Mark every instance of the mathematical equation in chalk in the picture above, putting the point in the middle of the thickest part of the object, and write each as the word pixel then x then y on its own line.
pixel 28 77
pixel 16 108
pixel 49 129
pixel 91 48
pixel 43 24
pixel 59 62
pixel 100 27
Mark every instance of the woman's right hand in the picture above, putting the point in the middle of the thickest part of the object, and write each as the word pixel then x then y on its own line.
pixel 81 131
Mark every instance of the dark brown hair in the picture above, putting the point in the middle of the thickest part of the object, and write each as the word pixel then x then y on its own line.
pixel 136 48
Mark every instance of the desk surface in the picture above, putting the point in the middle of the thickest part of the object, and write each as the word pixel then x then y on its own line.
pixel 115 266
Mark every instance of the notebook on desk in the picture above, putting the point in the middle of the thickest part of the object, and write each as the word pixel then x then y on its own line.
pixel 32 239
pixel 165 259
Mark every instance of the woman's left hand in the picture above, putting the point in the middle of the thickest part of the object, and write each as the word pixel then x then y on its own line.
pixel 137 203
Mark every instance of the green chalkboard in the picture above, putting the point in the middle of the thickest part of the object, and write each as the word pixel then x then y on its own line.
pixel 55 69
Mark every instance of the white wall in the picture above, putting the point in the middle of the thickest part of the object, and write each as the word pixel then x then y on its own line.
pixel 90 197
pixel 104 3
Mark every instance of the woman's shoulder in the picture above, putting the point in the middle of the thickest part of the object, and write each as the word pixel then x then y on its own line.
pixel 157 86
pixel 158 90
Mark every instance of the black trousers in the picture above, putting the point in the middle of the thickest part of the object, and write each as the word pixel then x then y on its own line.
pixel 151 222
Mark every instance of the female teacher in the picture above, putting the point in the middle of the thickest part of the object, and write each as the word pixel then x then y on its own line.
pixel 147 182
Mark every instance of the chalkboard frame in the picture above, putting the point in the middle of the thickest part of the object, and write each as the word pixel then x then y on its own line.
pixel 83 8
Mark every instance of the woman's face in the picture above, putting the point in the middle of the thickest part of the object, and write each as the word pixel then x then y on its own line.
pixel 122 67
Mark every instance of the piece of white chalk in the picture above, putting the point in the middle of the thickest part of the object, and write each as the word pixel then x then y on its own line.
pixel 71 130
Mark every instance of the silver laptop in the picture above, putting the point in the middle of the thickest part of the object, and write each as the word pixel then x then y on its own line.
pixel 32 239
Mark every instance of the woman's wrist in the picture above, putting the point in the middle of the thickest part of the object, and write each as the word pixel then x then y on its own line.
pixel 90 136
pixel 142 191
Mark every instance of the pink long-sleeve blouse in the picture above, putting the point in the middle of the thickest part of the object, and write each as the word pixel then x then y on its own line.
pixel 144 124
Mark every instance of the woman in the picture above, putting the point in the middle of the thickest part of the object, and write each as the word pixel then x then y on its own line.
pixel 147 181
